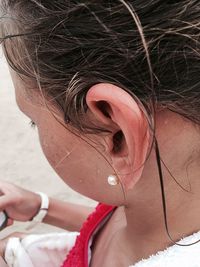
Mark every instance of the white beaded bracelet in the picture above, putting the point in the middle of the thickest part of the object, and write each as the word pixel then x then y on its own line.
pixel 39 217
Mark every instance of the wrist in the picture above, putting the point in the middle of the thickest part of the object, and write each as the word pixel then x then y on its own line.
pixel 43 206
pixel 36 207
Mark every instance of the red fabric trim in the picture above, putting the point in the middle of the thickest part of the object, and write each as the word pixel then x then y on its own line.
pixel 78 255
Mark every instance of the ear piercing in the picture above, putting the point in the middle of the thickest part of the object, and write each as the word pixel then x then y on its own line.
pixel 113 179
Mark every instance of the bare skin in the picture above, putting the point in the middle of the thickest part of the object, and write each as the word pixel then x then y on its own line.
pixel 135 230
pixel 143 232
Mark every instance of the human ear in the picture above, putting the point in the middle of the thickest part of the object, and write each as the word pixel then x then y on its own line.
pixel 129 138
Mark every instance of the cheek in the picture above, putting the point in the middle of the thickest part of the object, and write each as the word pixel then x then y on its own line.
pixel 81 166
pixel 53 148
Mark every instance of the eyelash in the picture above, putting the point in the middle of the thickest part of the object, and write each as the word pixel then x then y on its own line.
pixel 32 124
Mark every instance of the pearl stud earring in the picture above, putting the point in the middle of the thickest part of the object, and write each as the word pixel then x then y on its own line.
pixel 113 179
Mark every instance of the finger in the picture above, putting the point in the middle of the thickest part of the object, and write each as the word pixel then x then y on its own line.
pixel 9 223
pixel 3 243
pixel 4 187
pixel 2 262
pixel 6 201
pixel 21 235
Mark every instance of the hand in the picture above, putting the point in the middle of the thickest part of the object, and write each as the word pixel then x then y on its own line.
pixel 3 242
pixel 19 204
pixel 2 262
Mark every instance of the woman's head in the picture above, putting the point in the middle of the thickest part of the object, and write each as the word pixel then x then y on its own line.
pixel 149 49
pixel 68 46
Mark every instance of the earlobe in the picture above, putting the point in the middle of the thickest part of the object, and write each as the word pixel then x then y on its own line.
pixel 129 138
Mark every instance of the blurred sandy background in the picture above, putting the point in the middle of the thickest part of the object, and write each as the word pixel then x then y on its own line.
pixel 21 159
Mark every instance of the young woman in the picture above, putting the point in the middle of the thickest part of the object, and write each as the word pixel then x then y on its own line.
pixel 113 87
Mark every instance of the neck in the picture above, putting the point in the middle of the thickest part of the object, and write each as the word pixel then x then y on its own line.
pixel 145 231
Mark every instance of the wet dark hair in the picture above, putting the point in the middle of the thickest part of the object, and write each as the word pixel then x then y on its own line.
pixel 67 46
pixel 149 48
